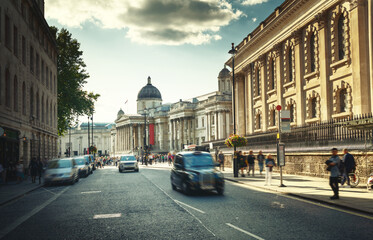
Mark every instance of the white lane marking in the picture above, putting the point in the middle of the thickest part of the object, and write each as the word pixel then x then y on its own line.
pixel 180 206
pixel 112 215
pixel 25 217
pixel 89 192
pixel 196 209
pixel 49 191
pixel 304 200
pixel 246 232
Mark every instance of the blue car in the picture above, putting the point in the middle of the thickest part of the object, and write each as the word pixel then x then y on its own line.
pixel 194 171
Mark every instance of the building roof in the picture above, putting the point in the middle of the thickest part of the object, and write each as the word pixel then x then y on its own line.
pixel 97 125
pixel 149 92
pixel 224 73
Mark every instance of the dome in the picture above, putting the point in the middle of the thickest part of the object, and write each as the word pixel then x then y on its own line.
pixel 224 73
pixel 120 113
pixel 149 92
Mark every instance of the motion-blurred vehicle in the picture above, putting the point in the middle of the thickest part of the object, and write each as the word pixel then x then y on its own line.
pixel 92 165
pixel 128 162
pixel 83 166
pixel 63 170
pixel 193 171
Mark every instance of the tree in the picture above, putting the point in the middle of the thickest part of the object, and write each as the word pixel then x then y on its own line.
pixel 72 100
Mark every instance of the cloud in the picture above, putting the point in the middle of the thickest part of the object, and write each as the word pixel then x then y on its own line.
pixel 169 22
pixel 253 2
pixel 254 19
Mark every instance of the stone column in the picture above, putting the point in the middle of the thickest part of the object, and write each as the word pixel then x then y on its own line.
pixel 181 132
pixel 241 111
pixel 249 103
pixel 131 138
pixel 299 66
pixel 359 57
pixel 263 93
pixel 217 126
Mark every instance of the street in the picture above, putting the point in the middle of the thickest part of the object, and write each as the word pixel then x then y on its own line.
pixel 113 205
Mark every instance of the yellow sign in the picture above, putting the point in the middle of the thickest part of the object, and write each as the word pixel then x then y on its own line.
pixel 278 136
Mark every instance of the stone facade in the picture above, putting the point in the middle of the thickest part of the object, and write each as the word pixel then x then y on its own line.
pixel 169 127
pixel 78 137
pixel 28 83
pixel 313 58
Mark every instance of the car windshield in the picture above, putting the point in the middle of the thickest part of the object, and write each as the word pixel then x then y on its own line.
pixel 128 158
pixel 59 164
pixel 194 160
pixel 80 161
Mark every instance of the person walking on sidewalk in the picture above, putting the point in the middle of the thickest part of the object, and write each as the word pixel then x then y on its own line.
pixel 251 163
pixel 241 162
pixel 33 169
pixel 270 163
pixel 261 159
pixel 221 160
pixel 349 166
pixel 333 167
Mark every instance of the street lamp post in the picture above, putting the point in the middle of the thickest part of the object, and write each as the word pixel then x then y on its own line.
pixel 89 143
pixel 233 52
pixel 92 135
pixel 69 141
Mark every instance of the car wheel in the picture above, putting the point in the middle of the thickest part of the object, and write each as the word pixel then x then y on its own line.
pixel 120 171
pixel 173 187
pixel 186 188
pixel 220 190
pixel 137 170
pixel 77 179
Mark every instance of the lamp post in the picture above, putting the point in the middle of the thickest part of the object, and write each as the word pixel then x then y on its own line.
pixel 94 154
pixel 233 52
pixel 89 142
pixel 69 141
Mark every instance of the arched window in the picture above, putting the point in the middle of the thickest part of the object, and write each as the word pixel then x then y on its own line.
pixel 7 88
pixel 31 102
pixel 46 112
pixel 258 81
pixel 291 109
pixel 273 117
pixel 314 107
pixel 37 106
pixel 15 94
pixel 290 61
pixel 42 108
pixel 313 52
pixel 50 115
pixel 23 98
pixel 258 121
pixel 341 37
pixel 273 74
pixel 343 100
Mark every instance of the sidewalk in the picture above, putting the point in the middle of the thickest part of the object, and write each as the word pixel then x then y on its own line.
pixel 313 188
pixel 12 190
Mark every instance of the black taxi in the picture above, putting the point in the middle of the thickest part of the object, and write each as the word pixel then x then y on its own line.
pixel 194 171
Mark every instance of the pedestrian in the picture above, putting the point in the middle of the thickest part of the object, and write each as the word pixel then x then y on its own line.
pixel 250 163
pixel 333 167
pixel 241 162
pixel 270 163
pixel 349 166
pixel 33 169
pixel 221 158
pixel 260 159
pixel 19 172
pixel 40 169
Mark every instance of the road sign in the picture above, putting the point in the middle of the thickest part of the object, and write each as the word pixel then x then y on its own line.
pixel 285 127
pixel 281 154
pixel 285 115
pixel 285 121
pixel 278 108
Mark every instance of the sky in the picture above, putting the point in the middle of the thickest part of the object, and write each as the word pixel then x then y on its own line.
pixel 181 44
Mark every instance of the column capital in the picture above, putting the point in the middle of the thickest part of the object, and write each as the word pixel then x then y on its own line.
pixel 321 19
pixel 297 36
pixel 356 3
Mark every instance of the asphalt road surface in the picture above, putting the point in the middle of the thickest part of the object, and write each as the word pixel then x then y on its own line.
pixel 113 205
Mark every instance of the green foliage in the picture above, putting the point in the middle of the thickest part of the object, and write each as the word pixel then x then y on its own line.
pixel 73 101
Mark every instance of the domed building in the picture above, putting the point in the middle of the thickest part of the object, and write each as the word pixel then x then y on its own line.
pixel 224 79
pixel 149 97
pixel 120 113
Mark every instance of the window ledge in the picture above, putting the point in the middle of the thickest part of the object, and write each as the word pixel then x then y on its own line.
pixel 311 75
pixel 339 64
pixel 312 120
pixel 257 98
pixel 289 85
pixel 272 128
pixel 272 91
pixel 342 115
pixel 257 130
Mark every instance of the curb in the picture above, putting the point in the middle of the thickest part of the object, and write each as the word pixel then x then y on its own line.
pixel 20 195
pixel 303 197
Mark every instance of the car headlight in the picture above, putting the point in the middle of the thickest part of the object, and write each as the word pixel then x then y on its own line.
pixel 191 176
pixel 68 174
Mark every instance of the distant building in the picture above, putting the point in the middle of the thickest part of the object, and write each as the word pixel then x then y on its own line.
pixel 78 137
pixel 28 83
pixel 169 127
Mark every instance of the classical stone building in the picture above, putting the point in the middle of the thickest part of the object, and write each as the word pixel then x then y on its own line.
pixel 78 138
pixel 169 127
pixel 28 83
pixel 313 58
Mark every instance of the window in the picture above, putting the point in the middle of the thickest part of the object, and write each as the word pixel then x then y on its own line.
pixel 46 74
pixel 258 81
pixel 343 100
pixel 23 10
pixel 273 118
pixel 203 122
pixel 313 52
pixel 24 98
pixel 341 37
pixel 258 121
pixel 15 94
pixel 212 120
pixel 24 50
pixel 15 41
pixel 273 74
pixel 7 32
pixel 7 88
pixel 290 61
pixel 42 71
pixel 50 114
pixel 291 109
pixel 314 107
pixel 31 59
pixel 37 65
pixel 202 139
pixel 31 102
pixel 37 106
pixel 42 109
pixel 197 123
pixel 50 79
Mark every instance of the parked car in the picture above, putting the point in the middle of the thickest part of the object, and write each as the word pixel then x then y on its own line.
pixel 194 171
pixel 128 162
pixel 91 163
pixel 62 170
pixel 83 166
